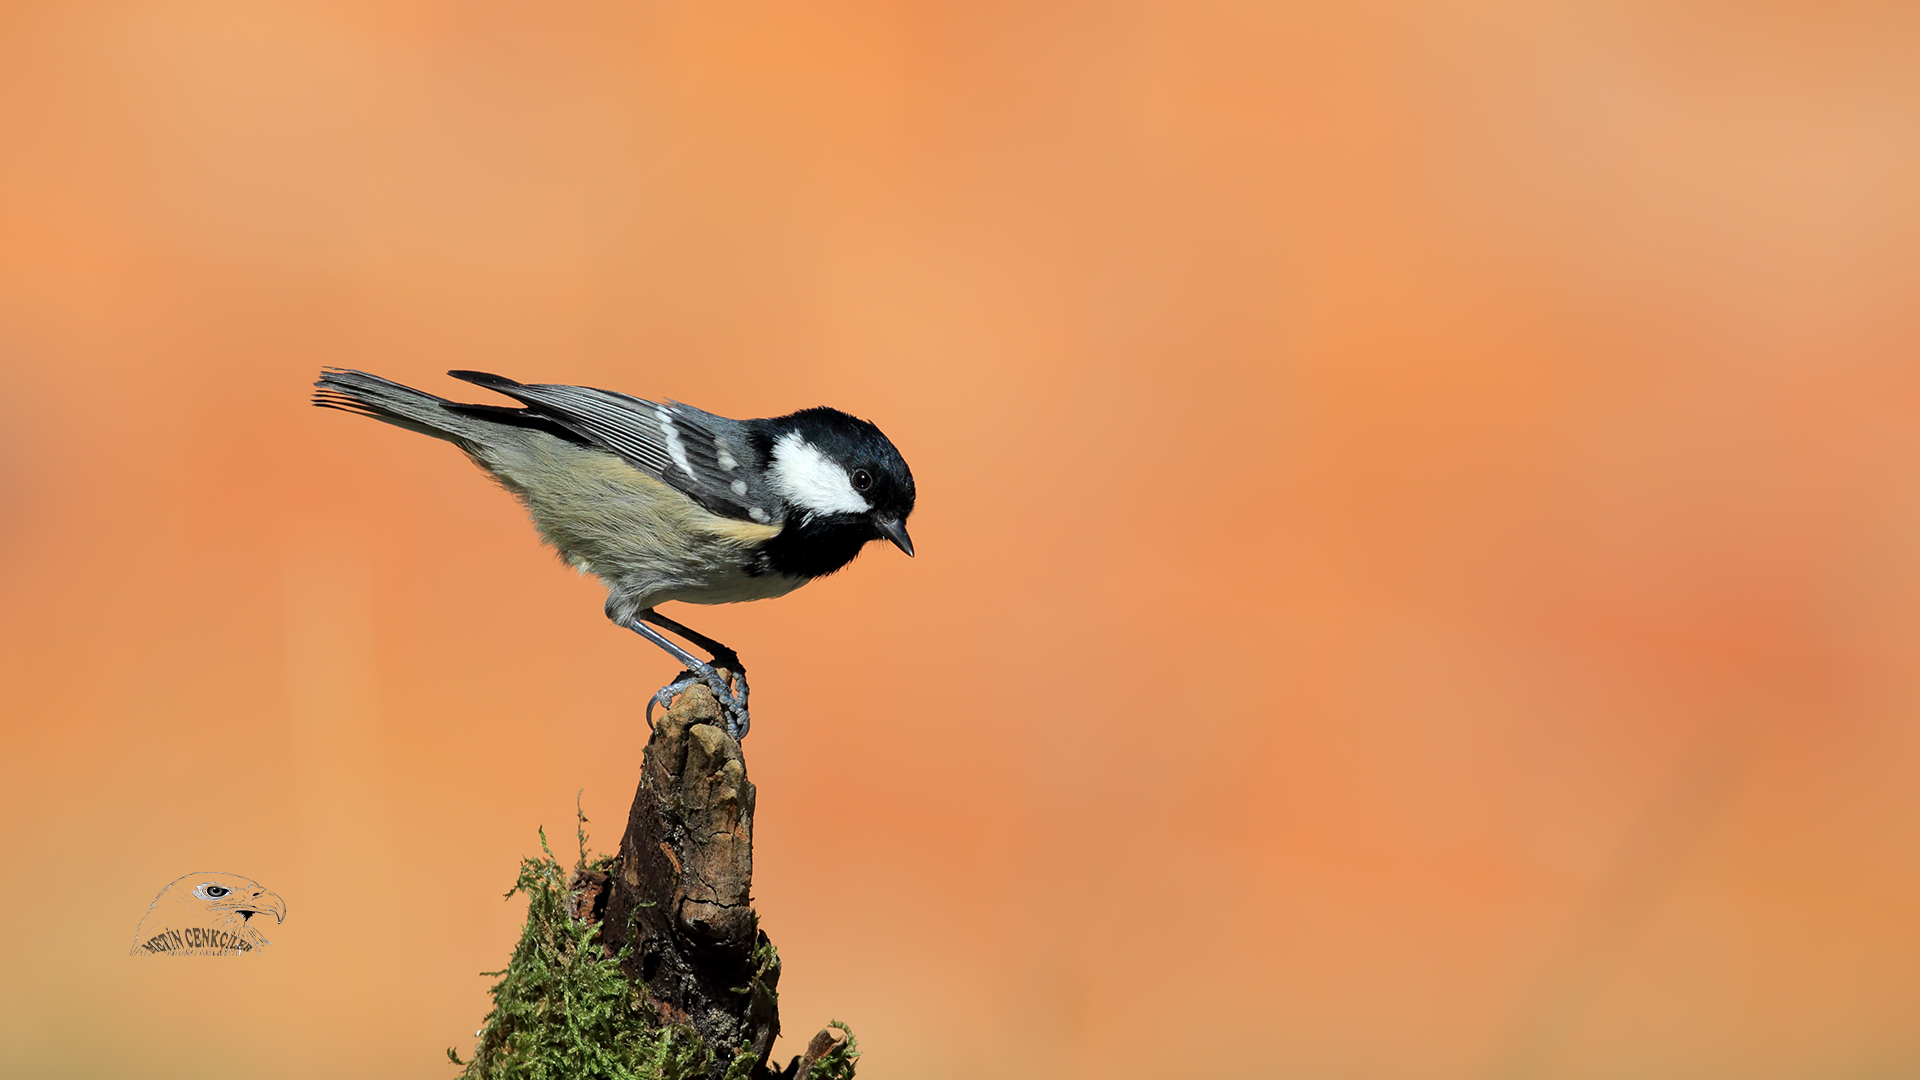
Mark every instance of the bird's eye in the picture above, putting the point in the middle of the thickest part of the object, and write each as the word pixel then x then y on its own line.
pixel 216 891
pixel 862 479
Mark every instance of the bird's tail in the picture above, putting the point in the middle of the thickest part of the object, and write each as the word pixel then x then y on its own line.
pixel 385 400
pixel 485 432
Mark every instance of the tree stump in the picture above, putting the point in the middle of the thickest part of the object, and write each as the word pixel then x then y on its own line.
pixel 651 963
pixel 680 890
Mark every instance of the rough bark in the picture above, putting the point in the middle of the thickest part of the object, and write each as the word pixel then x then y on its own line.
pixel 680 890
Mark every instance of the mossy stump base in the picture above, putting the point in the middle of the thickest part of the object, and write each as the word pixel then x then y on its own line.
pixel 650 964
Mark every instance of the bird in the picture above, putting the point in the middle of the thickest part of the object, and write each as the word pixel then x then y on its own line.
pixel 206 914
pixel 665 502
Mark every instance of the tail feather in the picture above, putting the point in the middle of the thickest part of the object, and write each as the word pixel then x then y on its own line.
pixel 388 401
pixel 470 427
pixel 489 380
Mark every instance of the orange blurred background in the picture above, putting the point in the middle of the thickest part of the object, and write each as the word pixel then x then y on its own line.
pixel 1419 530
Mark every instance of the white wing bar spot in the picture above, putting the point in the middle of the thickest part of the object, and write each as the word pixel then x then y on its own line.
pixel 675 447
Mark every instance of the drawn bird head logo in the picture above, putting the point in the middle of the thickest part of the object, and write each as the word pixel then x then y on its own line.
pixel 207 914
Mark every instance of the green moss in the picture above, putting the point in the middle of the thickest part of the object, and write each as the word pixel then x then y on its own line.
pixel 565 1010
pixel 837 1063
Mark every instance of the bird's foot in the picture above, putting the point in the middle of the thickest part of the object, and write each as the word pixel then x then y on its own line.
pixel 732 699
pixel 664 696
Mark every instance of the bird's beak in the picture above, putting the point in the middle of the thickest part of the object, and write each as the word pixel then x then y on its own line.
pixel 266 901
pixel 895 531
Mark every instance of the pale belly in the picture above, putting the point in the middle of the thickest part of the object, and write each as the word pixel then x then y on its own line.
pixel 736 588
pixel 648 543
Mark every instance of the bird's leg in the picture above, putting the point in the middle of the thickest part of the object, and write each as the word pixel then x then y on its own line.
pixel 698 670
pixel 722 656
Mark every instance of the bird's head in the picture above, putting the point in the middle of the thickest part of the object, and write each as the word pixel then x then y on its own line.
pixel 207 913
pixel 226 895
pixel 841 474
pixel 231 892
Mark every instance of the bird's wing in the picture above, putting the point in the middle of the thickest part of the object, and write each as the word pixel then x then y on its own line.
pixel 709 458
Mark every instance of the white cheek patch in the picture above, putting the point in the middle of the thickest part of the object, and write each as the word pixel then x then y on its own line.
pixel 810 480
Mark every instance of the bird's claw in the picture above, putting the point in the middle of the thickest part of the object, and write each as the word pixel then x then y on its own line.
pixel 733 701
pixel 664 696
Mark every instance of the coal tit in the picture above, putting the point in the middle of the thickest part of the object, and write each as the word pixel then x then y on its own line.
pixel 662 501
